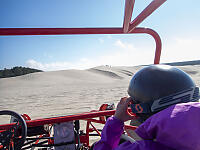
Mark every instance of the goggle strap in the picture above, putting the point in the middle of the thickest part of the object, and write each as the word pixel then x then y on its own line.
pixel 140 108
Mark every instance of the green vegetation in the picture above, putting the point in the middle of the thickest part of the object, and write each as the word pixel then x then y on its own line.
pixel 17 71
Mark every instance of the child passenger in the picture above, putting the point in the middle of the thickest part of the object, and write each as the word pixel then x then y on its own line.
pixel 165 100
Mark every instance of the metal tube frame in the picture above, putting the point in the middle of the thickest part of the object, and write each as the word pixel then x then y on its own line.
pixel 129 4
pixel 145 13
pixel 71 31
pixel 128 28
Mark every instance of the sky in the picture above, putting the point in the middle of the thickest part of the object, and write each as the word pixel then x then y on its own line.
pixel 177 22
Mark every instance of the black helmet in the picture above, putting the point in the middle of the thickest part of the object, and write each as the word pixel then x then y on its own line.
pixel 156 87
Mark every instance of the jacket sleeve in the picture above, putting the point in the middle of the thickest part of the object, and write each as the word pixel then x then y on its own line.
pixel 110 135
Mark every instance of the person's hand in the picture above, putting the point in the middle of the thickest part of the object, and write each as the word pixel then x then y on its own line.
pixel 122 109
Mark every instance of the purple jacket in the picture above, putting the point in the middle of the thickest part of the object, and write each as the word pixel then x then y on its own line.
pixel 175 128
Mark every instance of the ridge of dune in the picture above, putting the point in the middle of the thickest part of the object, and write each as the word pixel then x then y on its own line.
pixel 118 72
pixel 184 63
pixel 106 73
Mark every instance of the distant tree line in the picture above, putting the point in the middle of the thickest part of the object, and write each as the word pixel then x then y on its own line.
pixel 16 71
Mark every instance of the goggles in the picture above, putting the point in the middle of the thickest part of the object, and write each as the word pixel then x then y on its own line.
pixel 189 95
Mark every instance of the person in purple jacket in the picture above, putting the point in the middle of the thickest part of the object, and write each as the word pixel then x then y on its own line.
pixel 165 100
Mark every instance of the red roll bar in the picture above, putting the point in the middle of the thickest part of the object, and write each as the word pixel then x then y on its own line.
pixel 145 13
pixel 127 27
pixel 128 14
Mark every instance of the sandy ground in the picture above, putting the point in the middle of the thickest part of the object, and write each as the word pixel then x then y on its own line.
pixel 56 93
pixel 47 94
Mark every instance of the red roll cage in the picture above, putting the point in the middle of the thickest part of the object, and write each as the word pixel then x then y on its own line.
pixel 129 27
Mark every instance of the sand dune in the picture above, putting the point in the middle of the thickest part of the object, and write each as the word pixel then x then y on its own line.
pixel 185 63
pixel 54 93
